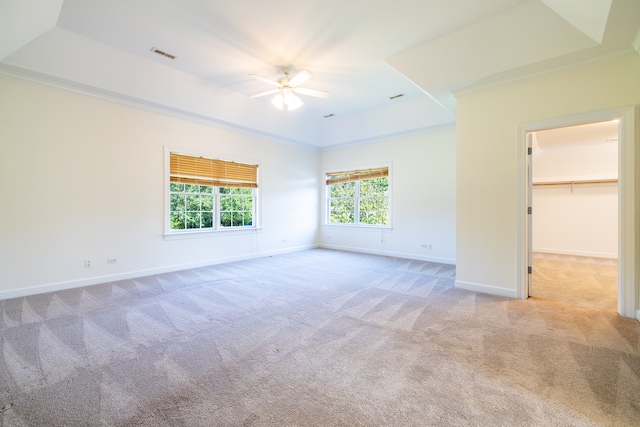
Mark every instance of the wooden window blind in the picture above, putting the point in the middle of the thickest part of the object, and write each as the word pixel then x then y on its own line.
pixel 188 169
pixel 356 175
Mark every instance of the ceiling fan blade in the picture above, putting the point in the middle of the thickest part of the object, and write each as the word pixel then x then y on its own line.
pixel 312 92
pixel 269 92
pixel 300 78
pixel 266 80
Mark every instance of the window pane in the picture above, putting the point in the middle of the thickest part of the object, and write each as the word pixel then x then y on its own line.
pixel 374 187
pixel 237 219
pixel 344 205
pixel 193 219
pixel 174 186
pixel 207 203
pixel 225 203
pixel 345 189
pixel 248 219
pixel 342 217
pixel 193 202
pixel 194 206
pixel 177 202
pixel 225 219
pixel 237 203
pixel 374 210
pixel 342 211
pixel 207 219
pixel 177 221
pixel 372 207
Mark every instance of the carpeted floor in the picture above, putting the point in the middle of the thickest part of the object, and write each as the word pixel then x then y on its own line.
pixel 314 338
pixel 584 281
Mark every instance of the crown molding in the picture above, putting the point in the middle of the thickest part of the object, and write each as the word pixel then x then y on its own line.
pixel 515 76
pixel 24 75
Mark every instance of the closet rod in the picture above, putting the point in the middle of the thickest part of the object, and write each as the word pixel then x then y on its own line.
pixel 585 181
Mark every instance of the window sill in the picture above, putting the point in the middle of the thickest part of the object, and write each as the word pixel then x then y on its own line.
pixel 360 227
pixel 178 235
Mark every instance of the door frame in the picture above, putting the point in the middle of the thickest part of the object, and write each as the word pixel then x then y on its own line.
pixel 627 239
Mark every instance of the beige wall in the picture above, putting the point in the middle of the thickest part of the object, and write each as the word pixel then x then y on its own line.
pixel 83 178
pixel 577 219
pixel 423 206
pixel 488 159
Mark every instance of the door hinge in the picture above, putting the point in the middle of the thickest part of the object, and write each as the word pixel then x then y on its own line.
pixel 529 151
pixel 529 270
pixel 529 210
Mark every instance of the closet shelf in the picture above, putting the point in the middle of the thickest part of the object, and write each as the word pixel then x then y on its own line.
pixel 577 181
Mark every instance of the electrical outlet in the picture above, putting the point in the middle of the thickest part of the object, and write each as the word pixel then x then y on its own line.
pixel 112 260
pixel 88 263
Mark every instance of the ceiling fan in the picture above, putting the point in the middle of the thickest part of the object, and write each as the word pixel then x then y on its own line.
pixel 287 88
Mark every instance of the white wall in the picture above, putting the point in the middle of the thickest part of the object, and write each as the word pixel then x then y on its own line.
pixel 423 196
pixel 82 178
pixel 587 161
pixel 488 163
pixel 580 220
pixel 583 223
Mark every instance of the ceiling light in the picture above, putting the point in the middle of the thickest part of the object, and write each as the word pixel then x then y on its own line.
pixel 286 100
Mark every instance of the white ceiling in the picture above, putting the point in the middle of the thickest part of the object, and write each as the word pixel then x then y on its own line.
pixel 586 134
pixel 361 51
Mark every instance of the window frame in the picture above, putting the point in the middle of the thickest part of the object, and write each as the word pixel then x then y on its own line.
pixel 217 229
pixel 356 199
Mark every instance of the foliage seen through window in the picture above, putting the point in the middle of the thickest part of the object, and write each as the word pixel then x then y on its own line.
pixel 358 202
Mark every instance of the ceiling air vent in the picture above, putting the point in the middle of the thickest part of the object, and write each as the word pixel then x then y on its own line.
pixel 400 95
pixel 163 53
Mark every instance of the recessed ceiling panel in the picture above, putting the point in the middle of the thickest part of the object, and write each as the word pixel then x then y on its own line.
pixel 19 24
pixel 591 20
pixel 525 35
pixel 434 46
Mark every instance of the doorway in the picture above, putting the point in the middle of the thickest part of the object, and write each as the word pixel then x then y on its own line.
pixel 574 221
pixel 627 237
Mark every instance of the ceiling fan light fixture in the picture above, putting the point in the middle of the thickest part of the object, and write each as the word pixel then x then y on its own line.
pixel 286 98
pixel 277 101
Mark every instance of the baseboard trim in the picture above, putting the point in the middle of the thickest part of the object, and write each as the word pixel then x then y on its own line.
pixel 608 255
pixel 441 260
pixel 486 289
pixel 71 284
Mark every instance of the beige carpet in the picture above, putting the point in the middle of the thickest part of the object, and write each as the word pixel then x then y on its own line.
pixel 315 338
pixel 584 281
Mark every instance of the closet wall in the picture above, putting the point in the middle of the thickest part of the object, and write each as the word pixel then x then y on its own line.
pixel 576 219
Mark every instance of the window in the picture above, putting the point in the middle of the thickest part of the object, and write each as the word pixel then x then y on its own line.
pixel 209 194
pixel 236 207
pixel 358 197
pixel 192 206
